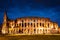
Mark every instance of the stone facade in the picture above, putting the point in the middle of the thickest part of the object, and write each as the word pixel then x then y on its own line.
pixel 28 25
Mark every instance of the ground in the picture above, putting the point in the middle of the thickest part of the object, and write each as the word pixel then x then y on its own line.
pixel 30 37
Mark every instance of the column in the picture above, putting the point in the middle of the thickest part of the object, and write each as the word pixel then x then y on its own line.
pixel 33 27
pixel 23 23
pixel 42 31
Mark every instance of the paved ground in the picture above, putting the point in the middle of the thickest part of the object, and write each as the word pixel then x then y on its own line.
pixel 30 37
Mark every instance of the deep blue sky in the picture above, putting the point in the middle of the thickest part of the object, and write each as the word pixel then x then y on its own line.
pixel 39 8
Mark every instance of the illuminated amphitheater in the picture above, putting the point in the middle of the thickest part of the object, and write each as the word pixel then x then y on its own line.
pixel 28 25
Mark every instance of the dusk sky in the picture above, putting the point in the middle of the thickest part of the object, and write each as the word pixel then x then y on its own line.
pixel 24 8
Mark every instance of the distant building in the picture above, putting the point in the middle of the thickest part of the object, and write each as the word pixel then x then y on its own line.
pixel 28 25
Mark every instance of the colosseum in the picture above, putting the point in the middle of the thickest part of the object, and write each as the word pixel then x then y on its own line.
pixel 28 25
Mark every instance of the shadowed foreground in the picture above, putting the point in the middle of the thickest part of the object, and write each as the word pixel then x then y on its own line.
pixel 31 37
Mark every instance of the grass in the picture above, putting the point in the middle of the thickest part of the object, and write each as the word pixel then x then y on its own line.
pixel 30 37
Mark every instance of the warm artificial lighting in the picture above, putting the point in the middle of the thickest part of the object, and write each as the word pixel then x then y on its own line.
pixel 29 25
